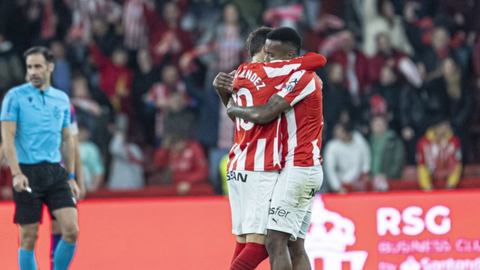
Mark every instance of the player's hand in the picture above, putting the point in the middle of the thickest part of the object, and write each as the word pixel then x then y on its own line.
pixel 224 82
pixel 20 183
pixel 74 187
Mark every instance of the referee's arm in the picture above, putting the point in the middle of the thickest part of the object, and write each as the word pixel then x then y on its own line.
pixel 9 130
pixel 68 150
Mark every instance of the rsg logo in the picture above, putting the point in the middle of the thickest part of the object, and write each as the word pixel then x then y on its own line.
pixel 436 220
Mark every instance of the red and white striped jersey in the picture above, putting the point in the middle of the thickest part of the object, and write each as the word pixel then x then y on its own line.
pixel 302 125
pixel 256 147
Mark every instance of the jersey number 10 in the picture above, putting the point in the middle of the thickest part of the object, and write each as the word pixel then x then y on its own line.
pixel 239 101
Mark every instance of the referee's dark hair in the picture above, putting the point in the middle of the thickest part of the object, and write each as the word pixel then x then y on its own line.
pixel 46 52
pixel 287 35
pixel 256 40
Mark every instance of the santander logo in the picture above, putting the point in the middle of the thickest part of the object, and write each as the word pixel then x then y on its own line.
pixel 328 238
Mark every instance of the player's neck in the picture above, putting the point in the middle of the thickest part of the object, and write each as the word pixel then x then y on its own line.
pixel 257 58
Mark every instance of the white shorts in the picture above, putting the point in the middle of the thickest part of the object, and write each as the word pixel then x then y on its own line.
pixel 290 209
pixel 250 193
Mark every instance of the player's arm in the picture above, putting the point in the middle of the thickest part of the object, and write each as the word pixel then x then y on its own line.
pixel 309 61
pixel 223 84
pixel 260 114
pixel 298 86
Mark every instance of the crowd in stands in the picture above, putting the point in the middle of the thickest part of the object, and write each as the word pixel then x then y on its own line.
pixel 400 87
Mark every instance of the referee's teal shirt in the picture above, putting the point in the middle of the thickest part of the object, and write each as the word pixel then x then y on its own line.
pixel 40 118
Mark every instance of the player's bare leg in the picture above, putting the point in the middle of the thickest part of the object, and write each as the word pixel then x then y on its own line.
pixel 276 243
pixel 67 218
pixel 298 255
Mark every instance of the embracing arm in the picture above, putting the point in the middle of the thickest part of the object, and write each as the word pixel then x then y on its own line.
pixel 260 114
pixel 223 84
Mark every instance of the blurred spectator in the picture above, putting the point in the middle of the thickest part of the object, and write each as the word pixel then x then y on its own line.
pixel 168 42
pixel 434 55
pixel 92 163
pixel 62 73
pixel 283 16
pixel 15 25
pixel 133 19
pixel 387 150
pixel 379 17
pixel 49 19
pixel 347 160
pixel 201 15
pixel 459 93
pixel 87 109
pixel 417 107
pixel 11 67
pixel 115 77
pixel 390 89
pixel 126 171
pixel 388 56
pixel 222 47
pixel 104 36
pixel 462 15
pixel 85 13
pixel 214 139
pixel 94 110
pixel 143 79
pixel 168 97
pixel 337 102
pixel 353 16
pixel 184 159
pixel 355 65
pixel 439 156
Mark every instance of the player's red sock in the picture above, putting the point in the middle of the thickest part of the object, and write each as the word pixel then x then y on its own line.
pixel 238 248
pixel 251 256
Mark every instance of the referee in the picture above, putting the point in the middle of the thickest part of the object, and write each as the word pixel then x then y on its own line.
pixel 35 120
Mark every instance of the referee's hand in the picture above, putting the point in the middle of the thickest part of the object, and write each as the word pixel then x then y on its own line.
pixel 20 182
pixel 74 188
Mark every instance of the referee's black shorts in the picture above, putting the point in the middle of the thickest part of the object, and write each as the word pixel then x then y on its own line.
pixel 49 184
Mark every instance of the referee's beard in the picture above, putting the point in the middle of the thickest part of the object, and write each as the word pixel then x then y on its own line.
pixel 40 82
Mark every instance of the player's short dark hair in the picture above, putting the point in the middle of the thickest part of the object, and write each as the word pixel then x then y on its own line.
pixel 287 35
pixel 46 52
pixel 256 40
